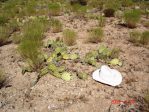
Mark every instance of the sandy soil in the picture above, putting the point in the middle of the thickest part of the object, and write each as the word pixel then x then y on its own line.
pixel 51 94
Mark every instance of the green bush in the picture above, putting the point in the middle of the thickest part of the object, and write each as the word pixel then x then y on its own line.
pixel 69 37
pixel 56 25
pixel 132 17
pixel 54 9
pixel 30 46
pixel 145 37
pixel 95 35
pixel 3 19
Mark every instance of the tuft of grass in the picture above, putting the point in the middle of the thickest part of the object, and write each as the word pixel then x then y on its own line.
pixel 2 78
pixel 132 17
pixel 145 37
pixel 54 9
pixel 69 37
pixel 95 35
pixel 135 36
pixel 4 35
pixel 56 25
pixel 30 46
pixel 101 21
pixel 126 3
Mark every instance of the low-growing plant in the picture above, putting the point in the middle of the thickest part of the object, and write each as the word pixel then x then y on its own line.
pixel 2 78
pixel 135 36
pixel 4 35
pixel 56 25
pixel 145 37
pixel 54 9
pixel 69 37
pixel 95 35
pixel 101 21
pixel 132 17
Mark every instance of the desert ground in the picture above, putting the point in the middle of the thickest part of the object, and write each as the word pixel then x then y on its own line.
pixel 51 94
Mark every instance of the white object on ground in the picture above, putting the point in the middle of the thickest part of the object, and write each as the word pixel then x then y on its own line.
pixel 107 76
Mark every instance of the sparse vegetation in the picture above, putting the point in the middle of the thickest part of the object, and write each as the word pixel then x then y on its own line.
pixel 69 37
pixel 132 17
pixel 54 9
pixel 95 35
pixel 56 25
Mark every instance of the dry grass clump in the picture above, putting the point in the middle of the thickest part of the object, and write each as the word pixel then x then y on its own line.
pixel 95 35
pixel 138 37
pixel 69 37
pixel 135 36
pixel 54 9
pixel 56 25
pixel 132 17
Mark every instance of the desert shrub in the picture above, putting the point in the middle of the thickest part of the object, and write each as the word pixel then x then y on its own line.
pixel 54 9
pixel 30 46
pixel 79 10
pixel 101 21
pixel 111 7
pixel 135 36
pixel 95 35
pixel 2 78
pixel 56 25
pixel 145 37
pixel 69 37
pixel 4 35
pixel 132 17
